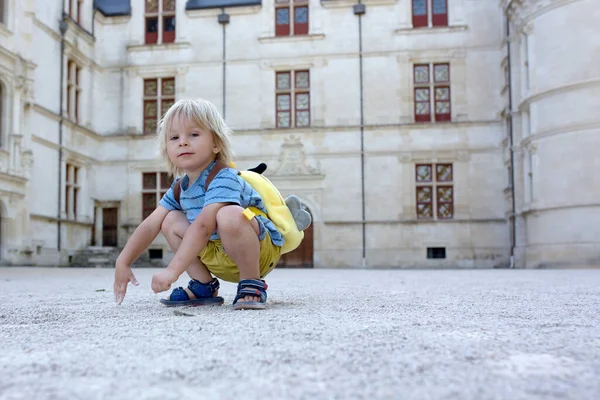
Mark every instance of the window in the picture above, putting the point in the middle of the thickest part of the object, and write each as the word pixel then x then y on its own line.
pixel 159 96
pixel 436 252
pixel 435 191
pixel 292 98
pixel 160 21
pixel 425 86
pixel 154 187
pixel 298 9
pixel 427 13
pixel 71 191
pixel 75 7
pixel 73 90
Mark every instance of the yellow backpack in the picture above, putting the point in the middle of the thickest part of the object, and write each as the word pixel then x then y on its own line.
pixel 277 210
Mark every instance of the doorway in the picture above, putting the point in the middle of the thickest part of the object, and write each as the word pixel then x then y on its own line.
pixel 109 226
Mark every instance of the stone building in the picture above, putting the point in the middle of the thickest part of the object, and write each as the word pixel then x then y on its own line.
pixel 419 133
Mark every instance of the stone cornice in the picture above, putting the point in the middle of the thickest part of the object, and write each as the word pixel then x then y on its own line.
pixel 522 11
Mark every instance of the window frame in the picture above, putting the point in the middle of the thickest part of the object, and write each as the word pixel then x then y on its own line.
pixel 72 187
pixel 162 184
pixel 292 92
pixel 292 27
pixel 431 18
pixel 432 87
pixel 159 100
pixel 435 184
pixel 161 36
pixel 73 90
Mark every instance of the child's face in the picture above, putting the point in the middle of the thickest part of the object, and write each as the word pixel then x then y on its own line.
pixel 190 147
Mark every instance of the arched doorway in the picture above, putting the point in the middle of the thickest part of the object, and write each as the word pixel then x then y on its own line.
pixel 302 257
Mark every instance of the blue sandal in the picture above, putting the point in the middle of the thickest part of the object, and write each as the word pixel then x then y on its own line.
pixel 202 291
pixel 251 287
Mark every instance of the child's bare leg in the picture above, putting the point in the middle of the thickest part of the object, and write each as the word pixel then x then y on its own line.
pixel 240 240
pixel 173 228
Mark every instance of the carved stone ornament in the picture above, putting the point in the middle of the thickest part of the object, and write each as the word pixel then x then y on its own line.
pixel 292 159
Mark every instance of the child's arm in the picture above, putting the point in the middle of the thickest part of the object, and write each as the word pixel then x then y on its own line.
pixel 194 240
pixel 142 237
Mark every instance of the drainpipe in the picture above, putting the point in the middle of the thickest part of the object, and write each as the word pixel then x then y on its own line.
pixel 63 30
pixel 513 217
pixel 223 19
pixel 359 10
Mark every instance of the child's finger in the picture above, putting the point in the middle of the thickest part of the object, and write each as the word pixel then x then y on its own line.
pixel 133 280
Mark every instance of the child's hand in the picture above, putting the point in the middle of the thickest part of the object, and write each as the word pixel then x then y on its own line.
pixel 161 281
pixel 123 275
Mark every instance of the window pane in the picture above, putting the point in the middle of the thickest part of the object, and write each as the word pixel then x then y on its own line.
pixel 150 109
pixel 302 101
pixel 302 81
pixel 150 87
pixel 168 87
pixel 442 107
pixel 421 73
pixel 439 7
pixel 151 6
pixel 168 5
pixel 424 173
pixel 302 118
pixel 422 94
pixel 283 16
pixel 424 211
pixel 283 102
pixel 166 104
pixel 301 15
pixel 442 93
pixel 150 125
pixel 444 172
pixel 282 1
pixel 441 72
pixel 151 25
pixel 149 201
pixel 424 194
pixel 165 181
pixel 283 119
pixel 283 80
pixel 423 109
pixel 149 180
pixel 419 7
pixel 169 24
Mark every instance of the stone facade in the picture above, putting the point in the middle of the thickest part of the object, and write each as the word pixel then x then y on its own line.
pixel 362 131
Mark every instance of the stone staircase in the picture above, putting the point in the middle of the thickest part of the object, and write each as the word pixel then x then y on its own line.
pixel 105 257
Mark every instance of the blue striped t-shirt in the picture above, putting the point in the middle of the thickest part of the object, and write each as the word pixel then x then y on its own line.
pixel 226 187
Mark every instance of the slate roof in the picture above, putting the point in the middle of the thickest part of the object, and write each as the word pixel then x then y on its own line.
pixel 113 8
pixel 204 4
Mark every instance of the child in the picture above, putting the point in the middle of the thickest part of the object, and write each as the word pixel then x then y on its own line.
pixel 210 231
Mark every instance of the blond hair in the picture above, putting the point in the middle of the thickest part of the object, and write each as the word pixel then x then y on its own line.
pixel 205 115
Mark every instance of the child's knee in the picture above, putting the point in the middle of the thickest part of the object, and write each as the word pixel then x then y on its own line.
pixel 171 222
pixel 230 218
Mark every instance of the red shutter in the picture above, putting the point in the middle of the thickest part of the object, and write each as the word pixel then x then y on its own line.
pixel 419 13
pixel 440 13
pixel 282 21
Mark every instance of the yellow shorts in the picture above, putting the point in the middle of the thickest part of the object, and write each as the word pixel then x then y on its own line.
pixel 223 267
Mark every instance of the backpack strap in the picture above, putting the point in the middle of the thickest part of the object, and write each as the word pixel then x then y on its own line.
pixel 219 165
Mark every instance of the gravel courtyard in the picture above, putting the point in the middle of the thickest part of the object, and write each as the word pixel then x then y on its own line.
pixel 327 334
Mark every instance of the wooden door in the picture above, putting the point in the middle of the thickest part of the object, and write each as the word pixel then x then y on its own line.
pixel 302 257
pixel 109 227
